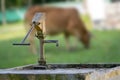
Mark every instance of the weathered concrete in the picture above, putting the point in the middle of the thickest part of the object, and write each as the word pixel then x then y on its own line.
pixel 63 72
pixel 53 74
pixel 110 74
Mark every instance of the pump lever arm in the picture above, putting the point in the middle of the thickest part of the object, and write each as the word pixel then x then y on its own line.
pixel 23 41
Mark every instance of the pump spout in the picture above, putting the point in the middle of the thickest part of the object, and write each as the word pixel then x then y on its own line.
pixel 52 41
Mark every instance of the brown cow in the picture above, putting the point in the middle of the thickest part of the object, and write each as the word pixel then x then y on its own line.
pixel 60 20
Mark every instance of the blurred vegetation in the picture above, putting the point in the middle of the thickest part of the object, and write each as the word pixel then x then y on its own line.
pixel 23 3
pixel 17 8
pixel 87 21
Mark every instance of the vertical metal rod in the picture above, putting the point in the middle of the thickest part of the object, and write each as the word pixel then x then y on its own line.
pixel 42 57
pixel 41 49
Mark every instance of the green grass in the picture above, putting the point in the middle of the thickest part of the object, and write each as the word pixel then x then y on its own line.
pixel 105 48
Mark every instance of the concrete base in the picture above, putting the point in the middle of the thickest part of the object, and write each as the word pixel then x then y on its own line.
pixel 63 72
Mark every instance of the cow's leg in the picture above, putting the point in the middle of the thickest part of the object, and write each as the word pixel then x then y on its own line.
pixel 67 41
pixel 31 38
pixel 32 44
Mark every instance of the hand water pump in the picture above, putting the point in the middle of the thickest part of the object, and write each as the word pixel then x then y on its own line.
pixel 38 22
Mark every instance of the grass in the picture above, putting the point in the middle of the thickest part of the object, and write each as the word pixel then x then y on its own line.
pixel 10 55
pixel 105 48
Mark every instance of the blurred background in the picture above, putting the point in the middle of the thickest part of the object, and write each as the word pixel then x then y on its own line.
pixel 101 17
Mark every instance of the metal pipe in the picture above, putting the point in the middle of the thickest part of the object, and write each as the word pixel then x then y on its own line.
pixel 51 41
pixel 41 60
